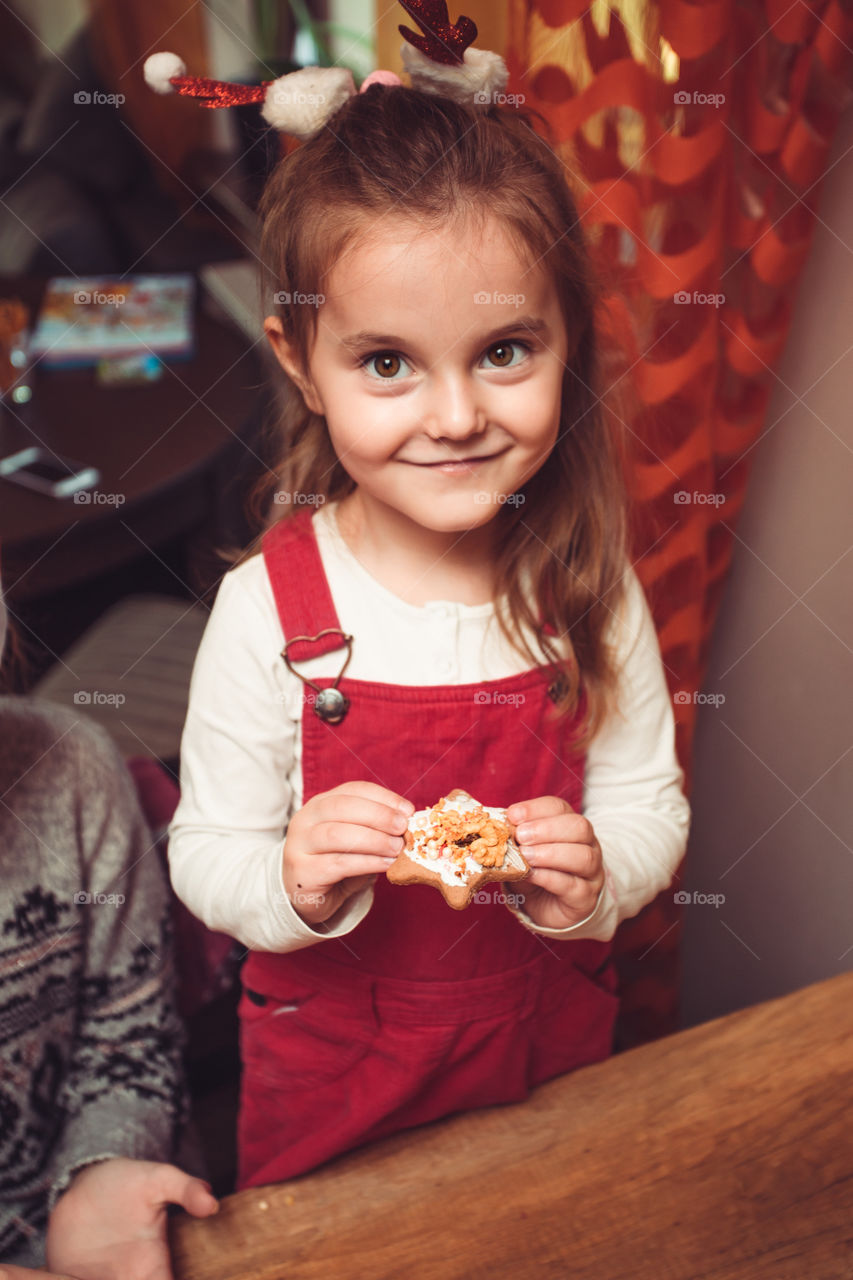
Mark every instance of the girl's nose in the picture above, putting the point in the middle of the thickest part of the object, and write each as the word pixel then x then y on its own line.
pixel 454 412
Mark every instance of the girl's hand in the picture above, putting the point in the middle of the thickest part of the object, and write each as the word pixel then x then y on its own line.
pixel 111 1222
pixel 567 871
pixel 9 1271
pixel 339 842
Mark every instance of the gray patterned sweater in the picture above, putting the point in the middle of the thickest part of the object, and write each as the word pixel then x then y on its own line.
pixel 90 1044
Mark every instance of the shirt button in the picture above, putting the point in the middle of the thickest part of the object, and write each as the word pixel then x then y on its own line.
pixel 446 668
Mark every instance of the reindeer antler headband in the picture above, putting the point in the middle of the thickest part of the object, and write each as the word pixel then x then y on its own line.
pixel 440 60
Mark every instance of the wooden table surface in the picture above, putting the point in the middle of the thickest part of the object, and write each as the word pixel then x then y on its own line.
pixel 724 1152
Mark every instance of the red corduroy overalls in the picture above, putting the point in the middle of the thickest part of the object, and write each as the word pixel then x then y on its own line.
pixel 421 1010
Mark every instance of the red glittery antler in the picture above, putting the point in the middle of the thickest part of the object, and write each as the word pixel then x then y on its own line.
pixel 218 93
pixel 442 41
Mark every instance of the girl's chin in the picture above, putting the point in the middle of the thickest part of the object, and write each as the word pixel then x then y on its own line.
pixel 447 513
pixel 455 517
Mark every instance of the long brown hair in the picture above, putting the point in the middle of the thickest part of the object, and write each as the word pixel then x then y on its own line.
pixel 399 151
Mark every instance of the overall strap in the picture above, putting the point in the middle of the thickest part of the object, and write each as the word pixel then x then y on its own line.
pixel 300 587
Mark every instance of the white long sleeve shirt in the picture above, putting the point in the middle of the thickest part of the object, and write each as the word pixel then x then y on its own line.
pixel 241 776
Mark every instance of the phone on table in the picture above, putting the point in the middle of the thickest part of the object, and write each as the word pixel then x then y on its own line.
pixel 47 473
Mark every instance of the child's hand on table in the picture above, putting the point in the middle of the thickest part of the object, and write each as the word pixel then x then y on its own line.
pixel 338 842
pixel 111 1222
pixel 567 871
pixel 8 1271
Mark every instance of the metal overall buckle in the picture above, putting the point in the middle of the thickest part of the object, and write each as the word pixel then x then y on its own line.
pixel 330 704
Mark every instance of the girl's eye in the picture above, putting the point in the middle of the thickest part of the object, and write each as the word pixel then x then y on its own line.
pixel 505 355
pixel 386 365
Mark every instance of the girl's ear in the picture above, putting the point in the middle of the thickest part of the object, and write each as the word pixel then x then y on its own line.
pixel 287 357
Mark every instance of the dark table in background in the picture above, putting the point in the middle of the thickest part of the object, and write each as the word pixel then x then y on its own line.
pixel 170 449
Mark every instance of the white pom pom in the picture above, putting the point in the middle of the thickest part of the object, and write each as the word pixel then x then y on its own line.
pixel 159 69
pixel 481 77
pixel 300 103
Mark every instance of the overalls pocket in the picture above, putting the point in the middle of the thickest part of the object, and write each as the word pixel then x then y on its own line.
pixel 573 1023
pixel 306 1038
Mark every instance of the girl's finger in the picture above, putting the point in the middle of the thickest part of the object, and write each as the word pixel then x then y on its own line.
pixel 373 791
pixel 541 807
pixel 565 828
pixel 335 867
pixel 360 811
pixel 347 837
pixel 355 884
pixel 10 1272
pixel 569 889
pixel 572 859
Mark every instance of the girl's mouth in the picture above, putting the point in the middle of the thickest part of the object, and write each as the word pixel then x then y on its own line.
pixel 454 466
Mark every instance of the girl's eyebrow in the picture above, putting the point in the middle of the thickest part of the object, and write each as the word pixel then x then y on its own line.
pixel 365 338
pixel 529 323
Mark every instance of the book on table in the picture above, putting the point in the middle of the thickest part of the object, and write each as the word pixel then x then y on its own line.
pixel 82 320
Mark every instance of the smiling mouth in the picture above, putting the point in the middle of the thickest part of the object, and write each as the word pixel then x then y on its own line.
pixel 456 462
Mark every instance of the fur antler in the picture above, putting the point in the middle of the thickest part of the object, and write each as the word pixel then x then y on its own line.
pixel 442 41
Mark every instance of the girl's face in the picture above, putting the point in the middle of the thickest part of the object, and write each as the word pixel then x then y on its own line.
pixel 438 366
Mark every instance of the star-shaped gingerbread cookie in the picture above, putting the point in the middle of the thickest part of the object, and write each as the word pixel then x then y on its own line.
pixel 457 846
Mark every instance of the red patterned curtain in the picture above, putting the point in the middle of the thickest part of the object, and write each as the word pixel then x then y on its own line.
pixel 696 138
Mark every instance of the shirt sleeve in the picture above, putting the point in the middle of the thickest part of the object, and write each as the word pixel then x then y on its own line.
pixel 123 1091
pixel 633 785
pixel 227 836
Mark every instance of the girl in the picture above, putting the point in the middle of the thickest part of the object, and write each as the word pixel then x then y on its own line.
pixel 443 600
